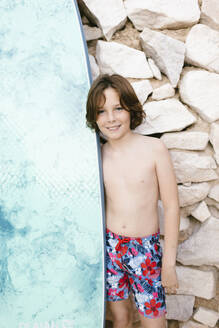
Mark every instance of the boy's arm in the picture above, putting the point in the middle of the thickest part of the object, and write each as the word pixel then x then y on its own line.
pixel 169 196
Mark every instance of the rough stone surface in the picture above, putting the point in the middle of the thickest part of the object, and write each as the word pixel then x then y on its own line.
pixel 165 115
pixel 206 316
pixel 163 92
pixel 214 139
pixel 110 16
pixel 160 14
pixel 142 89
pixel 92 33
pixel 193 167
pixel 199 90
pixel 210 13
pixel 202 48
pixel 113 57
pixel 200 248
pixel 155 70
pixel 196 282
pixel 94 67
pixel 193 194
pixel 167 53
pixel 179 307
pixel 192 324
pixel 193 140
pixel 214 192
pixel 201 212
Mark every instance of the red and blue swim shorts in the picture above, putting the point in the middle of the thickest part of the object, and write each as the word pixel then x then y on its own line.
pixel 134 264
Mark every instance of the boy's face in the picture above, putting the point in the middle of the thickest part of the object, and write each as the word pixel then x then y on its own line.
pixel 113 120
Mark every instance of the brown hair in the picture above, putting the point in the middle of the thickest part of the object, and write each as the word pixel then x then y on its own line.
pixel 128 99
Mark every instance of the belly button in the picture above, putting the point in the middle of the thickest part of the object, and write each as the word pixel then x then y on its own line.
pixel 123 227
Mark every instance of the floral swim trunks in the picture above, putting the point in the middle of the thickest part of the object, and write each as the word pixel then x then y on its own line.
pixel 135 264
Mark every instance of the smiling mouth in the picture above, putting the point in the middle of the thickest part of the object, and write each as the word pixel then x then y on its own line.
pixel 114 128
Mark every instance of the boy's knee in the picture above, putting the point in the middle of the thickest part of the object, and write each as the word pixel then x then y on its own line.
pixel 122 317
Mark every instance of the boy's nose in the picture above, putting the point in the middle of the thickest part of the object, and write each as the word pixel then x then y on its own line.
pixel 111 117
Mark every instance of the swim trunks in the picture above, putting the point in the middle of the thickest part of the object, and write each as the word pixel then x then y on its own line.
pixel 134 264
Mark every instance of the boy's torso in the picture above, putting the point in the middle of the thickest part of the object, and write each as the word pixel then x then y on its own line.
pixel 131 188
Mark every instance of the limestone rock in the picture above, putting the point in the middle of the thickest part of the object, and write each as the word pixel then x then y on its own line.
pixel 193 194
pixel 214 139
pixel 193 167
pixel 161 14
pixel 214 192
pixel 179 307
pixel 113 57
pixel 192 324
pixel 206 316
pixel 201 212
pixel 163 92
pixel 167 53
pixel 94 67
pixel 214 212
pixel 154 69
pixel 210 13
pixel 110 16
pixel 92 33
pixel 196 282
pixel 165 115
pixel 142 90
pixel 193 140
pixel 202 48
pixel 200 248
pixel 199 90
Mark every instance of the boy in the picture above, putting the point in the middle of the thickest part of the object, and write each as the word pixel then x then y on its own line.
pixel 136 171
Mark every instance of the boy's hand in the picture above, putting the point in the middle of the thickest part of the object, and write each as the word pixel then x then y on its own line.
pixel 169 279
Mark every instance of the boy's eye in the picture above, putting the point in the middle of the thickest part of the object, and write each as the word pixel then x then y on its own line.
pixel 119 108
pixel 100 111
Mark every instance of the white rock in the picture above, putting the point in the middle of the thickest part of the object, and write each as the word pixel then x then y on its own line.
pixel 179 307
pixel 94 67
pixel 167 53
pixel 193 167
pixel 142 90
pixel 201 247
pixel 92 33
pixel 192 324
pixel 163 92
pixel 214 192
pixel 113 57
pixel 110 16
pixel 202 48
pixel 196 282
pixel 199 90
pixel 210 13
pixel 155 70
pixel 193 194
pixel 165 115
pixel 214 139
pixel 193 140
pixel 201 212
pixel 161 14
pixel 206 316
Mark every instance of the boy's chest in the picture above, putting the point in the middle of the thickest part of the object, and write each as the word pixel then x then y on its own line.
pixel 130 172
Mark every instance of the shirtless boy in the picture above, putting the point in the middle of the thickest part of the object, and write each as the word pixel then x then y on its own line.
pixel 137 170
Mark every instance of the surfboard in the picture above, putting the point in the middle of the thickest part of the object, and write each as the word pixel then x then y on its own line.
pixel 51 192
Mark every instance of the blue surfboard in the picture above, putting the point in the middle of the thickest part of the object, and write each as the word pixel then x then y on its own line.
pixel 51 193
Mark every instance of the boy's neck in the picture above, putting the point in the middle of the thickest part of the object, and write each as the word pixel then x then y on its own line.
pixel 122 144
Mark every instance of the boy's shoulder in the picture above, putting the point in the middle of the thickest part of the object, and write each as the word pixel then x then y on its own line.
pixel 151 143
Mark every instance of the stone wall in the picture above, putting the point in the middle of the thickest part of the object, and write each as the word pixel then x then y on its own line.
pixel 169 51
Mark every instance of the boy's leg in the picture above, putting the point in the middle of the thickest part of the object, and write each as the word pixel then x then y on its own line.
pixel 153 323
pixel 122 313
